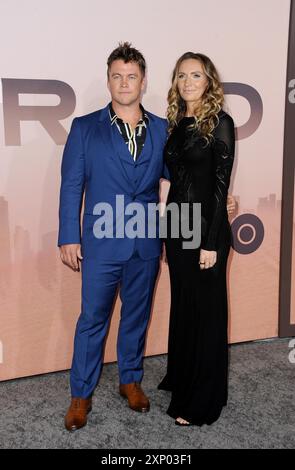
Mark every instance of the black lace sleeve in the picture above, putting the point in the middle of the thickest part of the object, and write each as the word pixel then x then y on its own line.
pixel 223 152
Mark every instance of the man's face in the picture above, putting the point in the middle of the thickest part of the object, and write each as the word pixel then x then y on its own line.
pixel 125 82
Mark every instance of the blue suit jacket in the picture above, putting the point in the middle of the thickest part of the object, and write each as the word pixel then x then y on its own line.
pixel 96 161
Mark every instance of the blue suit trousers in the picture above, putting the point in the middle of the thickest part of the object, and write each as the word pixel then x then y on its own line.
pixel 100 280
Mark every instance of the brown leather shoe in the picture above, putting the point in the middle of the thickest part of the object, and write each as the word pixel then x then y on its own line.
pixel 76 416
pixel 136 398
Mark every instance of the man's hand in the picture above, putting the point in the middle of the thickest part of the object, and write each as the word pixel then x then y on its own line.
pixel 231 204
pixel 71 255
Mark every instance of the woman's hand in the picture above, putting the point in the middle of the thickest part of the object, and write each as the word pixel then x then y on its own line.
pixel 230 204
pixel 207 259
pixel 163 255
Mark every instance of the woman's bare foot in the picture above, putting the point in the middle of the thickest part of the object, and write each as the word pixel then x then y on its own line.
pixel 182 421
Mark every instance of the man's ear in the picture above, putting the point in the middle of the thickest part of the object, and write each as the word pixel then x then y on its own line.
pixel 143 83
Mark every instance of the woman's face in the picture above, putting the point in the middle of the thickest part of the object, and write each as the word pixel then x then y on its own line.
pixel 191 80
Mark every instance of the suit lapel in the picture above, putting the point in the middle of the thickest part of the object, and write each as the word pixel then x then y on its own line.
pixel 149 152
pixel 113 140
pixel 118 149
pixel 120 145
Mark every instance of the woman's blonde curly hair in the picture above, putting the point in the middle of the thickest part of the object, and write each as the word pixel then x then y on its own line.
pixel 206 118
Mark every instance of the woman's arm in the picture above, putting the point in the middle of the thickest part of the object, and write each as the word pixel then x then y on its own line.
pixel 223 154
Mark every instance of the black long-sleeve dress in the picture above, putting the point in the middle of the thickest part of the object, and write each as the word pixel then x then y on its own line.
pixel 197 369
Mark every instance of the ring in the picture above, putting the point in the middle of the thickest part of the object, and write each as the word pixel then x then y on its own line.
pixel 201 263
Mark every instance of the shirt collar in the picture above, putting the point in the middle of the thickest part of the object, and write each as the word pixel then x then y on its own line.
pixel 114 117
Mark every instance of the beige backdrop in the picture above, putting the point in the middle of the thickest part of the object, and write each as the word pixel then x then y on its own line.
pixel 69 41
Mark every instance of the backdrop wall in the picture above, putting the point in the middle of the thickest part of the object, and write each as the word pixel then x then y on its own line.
pixel 53 68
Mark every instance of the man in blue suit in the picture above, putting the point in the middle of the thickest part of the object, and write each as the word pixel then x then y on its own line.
pixel 114 152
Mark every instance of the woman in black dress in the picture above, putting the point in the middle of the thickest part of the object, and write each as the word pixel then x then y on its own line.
pixel 199 155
